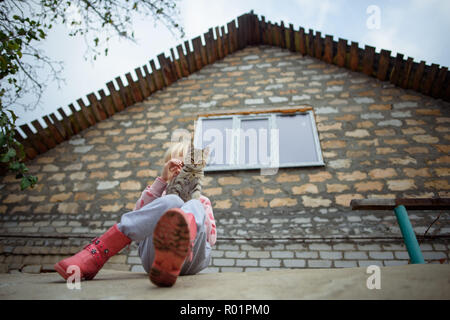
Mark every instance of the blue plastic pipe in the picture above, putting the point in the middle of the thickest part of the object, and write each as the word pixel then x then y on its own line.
pixel 408 235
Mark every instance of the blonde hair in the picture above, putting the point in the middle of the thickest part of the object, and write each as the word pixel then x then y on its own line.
pixel 176 149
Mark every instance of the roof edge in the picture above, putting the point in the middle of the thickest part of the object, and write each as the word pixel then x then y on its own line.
pixel 250 30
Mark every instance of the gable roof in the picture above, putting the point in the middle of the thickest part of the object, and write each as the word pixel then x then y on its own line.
pixel 250 30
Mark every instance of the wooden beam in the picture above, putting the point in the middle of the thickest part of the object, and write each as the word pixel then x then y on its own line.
pixel 282 32
pixel 418 74
pixel 318 45
pixel 429 78
pixel 125 93
pixel 368 59
pixel 118 103
pixel 209 39
pixel 55 132
pixel 354 56
pixel 44 134
pixel 225 42
pixel 67 123
pixel 190 57
pixel 287 110
pixel 302 41
pixel 159 82
pixel 341 52
pixel 277 33
pixel 436 90
pixel 197 44
pixel 328 52
pixel 218 43
pixel 409 203
pixel 107 103
pixel 81 123
pixel 407 73
pixel 142 83
pixel 184 66
pixel 232 36
pixel 291 38
pixel 37 144
pixel 310 42
pixel 396 72
pixel 94 106
pixel 257 30
pixel 175 65
pixel 86 112
pixel 383 64
pixel 240 32
pixel 28 148
pixel 166 71
pixel 61 129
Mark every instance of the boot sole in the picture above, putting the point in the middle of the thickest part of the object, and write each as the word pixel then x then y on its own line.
pixel 171 241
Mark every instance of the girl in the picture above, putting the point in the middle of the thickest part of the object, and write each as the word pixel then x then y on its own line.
pixel 174 237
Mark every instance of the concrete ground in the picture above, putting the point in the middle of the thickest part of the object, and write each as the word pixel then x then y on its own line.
pixel 401 282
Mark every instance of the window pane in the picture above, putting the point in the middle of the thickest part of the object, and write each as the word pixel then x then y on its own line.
pixel 217 134
pixel 254 142
pixel 296 139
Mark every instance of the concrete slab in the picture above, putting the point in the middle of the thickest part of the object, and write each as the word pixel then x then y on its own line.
pixel 399 282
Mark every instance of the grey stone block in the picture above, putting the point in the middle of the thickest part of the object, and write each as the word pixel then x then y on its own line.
pixel 294 263
pixel 282 254
pixel 319 263
pixel 259 254
pixel 381 255
pixel 246 262
pixel 319 246
pixel 223 262
pixel 32 268
pixel 270 262
pixel 307 254
pixel 333 255
pixel 366 263
pixel 355 255
pixel 345 264
pixel 137 268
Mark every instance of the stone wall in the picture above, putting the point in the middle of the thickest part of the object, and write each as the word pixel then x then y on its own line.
pixel 377 140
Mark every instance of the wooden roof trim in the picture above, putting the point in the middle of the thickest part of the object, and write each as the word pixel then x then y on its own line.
pixel 258 111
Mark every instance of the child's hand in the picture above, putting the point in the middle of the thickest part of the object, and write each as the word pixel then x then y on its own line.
pixel 171 169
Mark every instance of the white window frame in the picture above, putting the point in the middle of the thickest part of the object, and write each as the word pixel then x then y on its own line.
pixel 235 142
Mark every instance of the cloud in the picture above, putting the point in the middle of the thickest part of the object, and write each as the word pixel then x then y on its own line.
pixel 417 30
pixel 317 14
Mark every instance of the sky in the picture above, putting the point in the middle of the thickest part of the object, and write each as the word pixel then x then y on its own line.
pixel 415 28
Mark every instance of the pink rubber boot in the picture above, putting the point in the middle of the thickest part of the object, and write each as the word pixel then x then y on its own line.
pixel 95 254
pixel 173 239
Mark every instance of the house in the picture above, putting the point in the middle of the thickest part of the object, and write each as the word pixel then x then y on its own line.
pixel 382 125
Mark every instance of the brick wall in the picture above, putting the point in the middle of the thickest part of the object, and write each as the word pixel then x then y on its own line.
pixel 378 141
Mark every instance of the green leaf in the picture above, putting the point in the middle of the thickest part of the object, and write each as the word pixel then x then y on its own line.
pixel 13 115
pixel 25 183
pixel 7 156
pixel 2 139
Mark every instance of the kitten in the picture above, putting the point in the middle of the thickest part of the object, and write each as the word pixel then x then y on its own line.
pixel 188 183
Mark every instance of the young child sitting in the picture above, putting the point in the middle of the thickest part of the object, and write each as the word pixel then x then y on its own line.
pixel 174 237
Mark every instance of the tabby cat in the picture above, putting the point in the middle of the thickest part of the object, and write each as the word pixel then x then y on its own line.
pixel 188 183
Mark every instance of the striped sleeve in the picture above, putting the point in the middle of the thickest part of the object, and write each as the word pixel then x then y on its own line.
pixel 150 193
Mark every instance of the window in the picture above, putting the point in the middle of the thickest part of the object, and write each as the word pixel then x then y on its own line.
pixel 260 139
